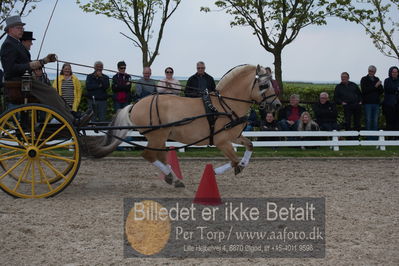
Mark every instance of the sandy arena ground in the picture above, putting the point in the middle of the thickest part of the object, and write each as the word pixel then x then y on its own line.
pixel 84 224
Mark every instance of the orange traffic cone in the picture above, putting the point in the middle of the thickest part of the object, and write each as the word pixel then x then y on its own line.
pixel 208 191
pixel 173 161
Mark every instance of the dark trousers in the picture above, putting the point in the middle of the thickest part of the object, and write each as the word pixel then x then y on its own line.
pixel 355 111
pixel 391 113
pixel 49 96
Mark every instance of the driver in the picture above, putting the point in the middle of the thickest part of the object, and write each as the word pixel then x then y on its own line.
pixel 16 60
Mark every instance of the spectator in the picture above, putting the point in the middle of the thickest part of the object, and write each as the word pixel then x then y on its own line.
pixel 326 113
pixel 199 82
pixel 268 123
pixel 349 95
pixel 39 75
pixel 275 85
pixel 15 60
pixel 290 114
pixel 391 102
pixel 69 87
pixel 121 87
pixel 96 85
pixel 371 93
pixel 307 124
pixel 169 84
pixel 145 86
pixel 252 120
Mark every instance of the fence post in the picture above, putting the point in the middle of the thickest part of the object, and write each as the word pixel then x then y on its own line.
pixel 382 138
pixel 335 138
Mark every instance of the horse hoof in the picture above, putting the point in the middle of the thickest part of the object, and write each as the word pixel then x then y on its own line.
pixel 178 183
pixel 238 169
pixel 169 178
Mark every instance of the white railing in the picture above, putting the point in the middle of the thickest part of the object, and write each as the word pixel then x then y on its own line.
pixel 333 139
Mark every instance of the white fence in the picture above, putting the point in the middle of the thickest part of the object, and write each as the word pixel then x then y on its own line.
pixel 333 139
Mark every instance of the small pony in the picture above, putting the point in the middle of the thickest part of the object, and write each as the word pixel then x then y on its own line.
pixel 186 120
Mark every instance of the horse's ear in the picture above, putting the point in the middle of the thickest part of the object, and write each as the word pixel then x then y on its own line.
pixel 258 69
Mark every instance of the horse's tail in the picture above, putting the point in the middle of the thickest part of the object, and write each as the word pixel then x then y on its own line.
pixel 99 147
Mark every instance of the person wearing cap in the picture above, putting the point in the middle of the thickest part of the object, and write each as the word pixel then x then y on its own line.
pixel 16 61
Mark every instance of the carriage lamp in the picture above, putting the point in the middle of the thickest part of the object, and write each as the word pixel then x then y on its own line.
pixel 26 84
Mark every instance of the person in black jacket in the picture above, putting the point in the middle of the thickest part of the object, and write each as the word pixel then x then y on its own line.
pixel 121 87
pixel 199 82
pixel 371 92
pixel 15 59
pixel 97 84
pixel 325 113
pixel 391 99
pixel 349 95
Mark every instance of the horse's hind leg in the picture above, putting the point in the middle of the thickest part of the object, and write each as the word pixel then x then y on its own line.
pixel 228 151
pixel 249 147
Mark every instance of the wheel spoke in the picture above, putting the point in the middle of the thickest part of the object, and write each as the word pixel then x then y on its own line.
pixel 9 125
pixel 32 125
pixel 52 136
pixel 59 146
pixel 13 167
pixel 48 116
pixel 12 137
pixel 53 169
pixel 12 148
pixel 10 157
pixel 7 153
pixel 43 175
pixel 23 175
pixel 33 177
pixel 20 128
pixel 58 157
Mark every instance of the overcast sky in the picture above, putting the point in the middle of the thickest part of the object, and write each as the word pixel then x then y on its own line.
pixel 320 53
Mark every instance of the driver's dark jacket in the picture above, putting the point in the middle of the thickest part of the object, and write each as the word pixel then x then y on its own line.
pixel 14 58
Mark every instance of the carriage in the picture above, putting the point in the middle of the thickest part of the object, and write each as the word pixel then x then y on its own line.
pixel 40 151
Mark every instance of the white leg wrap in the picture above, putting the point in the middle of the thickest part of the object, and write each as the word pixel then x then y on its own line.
pixel 221 169
pixel 164 168
pixel 245 159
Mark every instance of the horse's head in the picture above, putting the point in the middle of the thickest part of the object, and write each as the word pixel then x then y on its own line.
pixel 262 90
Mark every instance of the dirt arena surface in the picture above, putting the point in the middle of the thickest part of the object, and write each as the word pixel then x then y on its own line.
pixel 84 224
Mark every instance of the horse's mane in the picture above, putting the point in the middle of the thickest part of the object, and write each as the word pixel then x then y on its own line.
pixel 232 73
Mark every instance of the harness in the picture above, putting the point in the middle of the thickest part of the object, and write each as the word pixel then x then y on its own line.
pixel 211 113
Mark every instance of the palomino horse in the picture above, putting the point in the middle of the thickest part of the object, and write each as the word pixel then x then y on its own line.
pixel 237 91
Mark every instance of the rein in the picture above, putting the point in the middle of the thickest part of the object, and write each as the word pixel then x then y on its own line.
pixel 182 86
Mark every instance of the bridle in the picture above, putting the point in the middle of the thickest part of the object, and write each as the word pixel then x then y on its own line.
pixel 263 87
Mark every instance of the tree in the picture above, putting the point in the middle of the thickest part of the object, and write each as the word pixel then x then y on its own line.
pixel 378 18
pixel 14 7
pixel 138 16
pixel 275 23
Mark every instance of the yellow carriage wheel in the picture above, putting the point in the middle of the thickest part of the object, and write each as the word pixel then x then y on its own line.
pixel 39 152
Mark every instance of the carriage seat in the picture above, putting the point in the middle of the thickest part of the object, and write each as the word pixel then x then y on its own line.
pixel 13 94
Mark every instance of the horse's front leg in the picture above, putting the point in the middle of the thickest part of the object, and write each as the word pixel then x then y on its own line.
pixel 228 151
pixel 249 147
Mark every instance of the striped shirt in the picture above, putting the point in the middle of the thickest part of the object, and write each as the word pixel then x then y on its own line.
pixel 68 91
